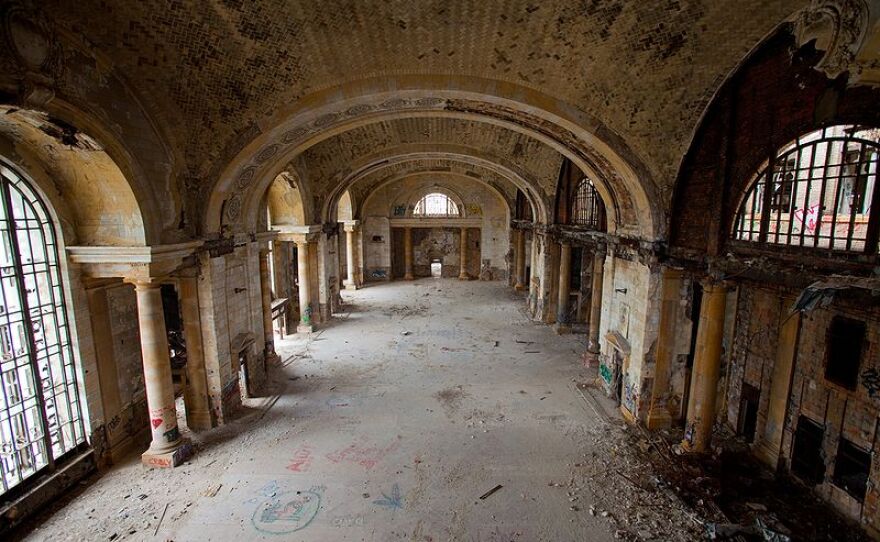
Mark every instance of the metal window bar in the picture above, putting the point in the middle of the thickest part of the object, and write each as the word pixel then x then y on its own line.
pixel 40 414
pixel 588 210
pixel 436 204
pixel 787 203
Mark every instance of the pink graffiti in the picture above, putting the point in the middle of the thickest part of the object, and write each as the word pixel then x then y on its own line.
pixel 361 454
pixel 156 422
pixel 809 218
pixel 302 460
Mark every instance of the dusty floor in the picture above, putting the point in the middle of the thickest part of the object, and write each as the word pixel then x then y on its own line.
pixel 390 424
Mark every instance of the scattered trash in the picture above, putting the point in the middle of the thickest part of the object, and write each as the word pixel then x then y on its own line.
pixel 532 351
pixel 212 491
pixel 496 344
pixel 406 333
pixel 486 495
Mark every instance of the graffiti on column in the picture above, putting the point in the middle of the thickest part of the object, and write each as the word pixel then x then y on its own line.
pixel 871 381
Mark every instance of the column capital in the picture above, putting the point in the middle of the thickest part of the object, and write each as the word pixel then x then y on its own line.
pixel 147 283
pixel 351 225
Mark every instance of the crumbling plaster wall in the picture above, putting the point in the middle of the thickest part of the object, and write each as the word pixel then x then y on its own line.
pixel 377 248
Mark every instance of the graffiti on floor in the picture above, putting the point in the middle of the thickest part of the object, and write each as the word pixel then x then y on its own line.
pixel 302 459
pixel 285 511
pixel 344 522
pixel 362 453
pixel 393 501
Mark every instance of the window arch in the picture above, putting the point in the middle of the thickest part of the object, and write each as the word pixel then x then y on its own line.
pixel 41 419
pixel 436 204
pixel 818 191
pixel 588 209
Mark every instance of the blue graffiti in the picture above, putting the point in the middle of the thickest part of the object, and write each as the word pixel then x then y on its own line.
pixel 394 502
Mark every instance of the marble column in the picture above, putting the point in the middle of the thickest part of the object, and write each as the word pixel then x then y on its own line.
pixel 707 369
pixel 266 296
pixel 196 398
pixel 462 272
pixel 351 282
pixel 596 305
pixel 563 318
pixel 407 254
pixel 520 266
pixel 167 448
pixel 305 298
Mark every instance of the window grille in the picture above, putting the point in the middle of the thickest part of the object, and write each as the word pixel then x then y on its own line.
pixel 818 192
pixel 437 205
pixel 40 415
pixel 588 210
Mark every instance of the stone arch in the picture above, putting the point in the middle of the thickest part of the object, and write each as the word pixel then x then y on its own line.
pixel 476 167
pixel 345 209
pixel 620 176
pixel 284 201
pixel 91 196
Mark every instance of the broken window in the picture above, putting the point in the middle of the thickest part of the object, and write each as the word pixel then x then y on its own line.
pixel 806 455
pixel 817 192
pixel 851 469
pixel 845 341
pixel 436 204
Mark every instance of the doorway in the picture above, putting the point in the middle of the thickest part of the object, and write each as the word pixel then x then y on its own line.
pixel 436 268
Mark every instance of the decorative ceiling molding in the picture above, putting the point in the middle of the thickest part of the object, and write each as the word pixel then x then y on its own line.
pixel 839 28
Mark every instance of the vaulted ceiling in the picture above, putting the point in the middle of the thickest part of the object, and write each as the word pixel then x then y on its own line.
pixel 234 92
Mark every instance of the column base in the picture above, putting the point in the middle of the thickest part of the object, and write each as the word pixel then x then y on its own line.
pixel 305 328
pixel 658 418
pixel 169 459
pixel 408 277
pixel 199 420
pixel 562 329
pixel 351 287
pixel 463 277
pixel 591 359
pixel 520 287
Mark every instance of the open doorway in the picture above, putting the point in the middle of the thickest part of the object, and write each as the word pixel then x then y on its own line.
pixel 436 269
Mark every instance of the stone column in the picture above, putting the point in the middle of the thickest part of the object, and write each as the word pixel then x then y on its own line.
pixel 596 305
pixel 462 272
pixel 563 320
pixel 670 306
pixel 351 282
pixel 198 403
pixel 520 268
pixel 407 254
pixel 167 448
pixel 769 445
pixel 707 368
pixel 305 297
pixel 266 296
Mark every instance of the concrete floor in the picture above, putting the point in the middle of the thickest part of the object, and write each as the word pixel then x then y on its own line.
pixel 389 424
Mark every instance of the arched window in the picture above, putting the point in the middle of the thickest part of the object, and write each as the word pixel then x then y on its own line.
pixel 587 208
pixel 436 204
pixel 40 415
pixel 818 192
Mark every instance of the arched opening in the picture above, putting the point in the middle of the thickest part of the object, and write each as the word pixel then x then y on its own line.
pixel 437 205
pixel 41 412
pixel 587 208
pixel 816 192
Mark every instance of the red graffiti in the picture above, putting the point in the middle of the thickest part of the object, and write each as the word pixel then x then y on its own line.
pixel 302 460
pixel 361 454
pixel 156 422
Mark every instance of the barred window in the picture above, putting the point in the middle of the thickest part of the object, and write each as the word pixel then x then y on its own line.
pixel 588 210
pixel 41 417
pixel 817 192
pixel 436 204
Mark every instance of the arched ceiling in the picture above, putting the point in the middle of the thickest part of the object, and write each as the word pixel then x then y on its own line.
pixel 244 90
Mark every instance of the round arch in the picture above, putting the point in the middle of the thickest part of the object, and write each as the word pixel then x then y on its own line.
pixel 624 182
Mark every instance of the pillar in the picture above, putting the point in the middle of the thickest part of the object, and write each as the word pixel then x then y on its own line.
pixel 596 305
pixel 462 273
pixel 769 446
pixel 707 369
pixel 167 448
pixel 563 319
pixel 305 298
pixel 351 282
pixel 266 296
pixel 198 404
pixel 670 306
pixel 520 266
pixel 407 254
